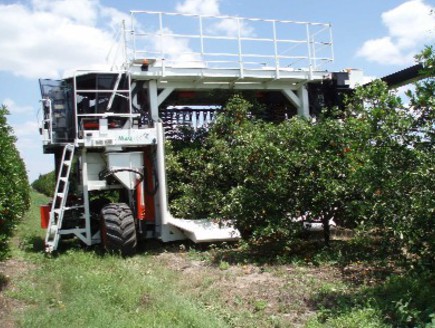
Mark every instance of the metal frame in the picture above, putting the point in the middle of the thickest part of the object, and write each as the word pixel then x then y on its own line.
pixel 47 138
pixel 316 37
pixel 114 92
pixel 211 69
pixel 293 88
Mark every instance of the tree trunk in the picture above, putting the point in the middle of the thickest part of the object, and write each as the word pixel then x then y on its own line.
pixel 326 229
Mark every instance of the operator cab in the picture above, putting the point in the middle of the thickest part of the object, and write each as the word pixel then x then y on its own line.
pixel 75 108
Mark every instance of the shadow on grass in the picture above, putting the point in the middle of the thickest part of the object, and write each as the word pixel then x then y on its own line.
pixel 36 245
pixel 406 300
pixel 344 254
pixel 32 244
pixel 340 252
pixel 4 280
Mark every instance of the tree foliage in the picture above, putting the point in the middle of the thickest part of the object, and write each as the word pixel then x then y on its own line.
pixel 371 167
pixel 45 183
pixel 14 186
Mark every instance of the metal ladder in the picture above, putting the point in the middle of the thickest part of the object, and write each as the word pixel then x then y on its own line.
pixel 59 200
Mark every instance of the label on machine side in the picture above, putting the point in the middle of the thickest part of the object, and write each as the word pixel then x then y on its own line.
pixel 120 137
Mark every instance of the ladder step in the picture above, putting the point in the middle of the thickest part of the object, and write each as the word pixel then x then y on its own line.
pixel 60 194
pixel 76 207
pixel 71 230
pixel 54 227
pixel 70 208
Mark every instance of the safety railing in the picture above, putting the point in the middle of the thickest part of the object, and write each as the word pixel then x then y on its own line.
pixel 102 95
pixel 198 41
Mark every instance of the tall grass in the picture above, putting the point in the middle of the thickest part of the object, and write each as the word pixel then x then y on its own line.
pixel 83 289
pixel 87 289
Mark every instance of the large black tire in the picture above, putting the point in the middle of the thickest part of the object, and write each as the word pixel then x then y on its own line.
pixel 118 229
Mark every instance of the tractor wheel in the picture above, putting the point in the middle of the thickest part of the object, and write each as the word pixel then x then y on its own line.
pixel 118 229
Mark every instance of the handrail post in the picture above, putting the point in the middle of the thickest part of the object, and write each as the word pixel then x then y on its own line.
pixel 75 105
pixel 161 35
pixel 310 64
pixel 201 38
pixel 313 51
pixel 133 35
pixel 239 40
pixel 126 45
pixel 331 42
pixel 275 45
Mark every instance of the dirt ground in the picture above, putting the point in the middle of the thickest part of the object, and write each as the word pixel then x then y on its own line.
pixel 280 291
pixel 10 270
pixel 283 292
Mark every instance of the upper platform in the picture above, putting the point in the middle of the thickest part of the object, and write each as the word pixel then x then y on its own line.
pixel 177 52
pixel 178 47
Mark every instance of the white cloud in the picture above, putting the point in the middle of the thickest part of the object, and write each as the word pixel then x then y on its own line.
pixel 410 23
pixel 26 130
pixel 385 51
pixel 29 145
pixel 17 109
pixel 200 7
pixel 82 12
pixel 47 38
pixel 226 26
pixel 176 50
pixel 230 27
pixel 113 18
pixel 410 26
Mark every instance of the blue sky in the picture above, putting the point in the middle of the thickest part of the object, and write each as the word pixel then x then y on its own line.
pixel 49 38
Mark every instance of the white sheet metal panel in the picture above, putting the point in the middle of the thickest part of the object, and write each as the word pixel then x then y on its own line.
pixel 131 160
pixel 206 230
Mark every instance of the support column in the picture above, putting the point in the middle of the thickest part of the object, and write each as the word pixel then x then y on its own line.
pixel 299 100
pixel 167 231
pixel 161 173
pixel 85 191
pixel 153 99
pixel 304 108
pixel 156 99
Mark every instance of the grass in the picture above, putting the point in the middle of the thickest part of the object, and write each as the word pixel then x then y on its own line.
pixel 182 285
pixel 82 288
pixel 29 236
pixel 367 318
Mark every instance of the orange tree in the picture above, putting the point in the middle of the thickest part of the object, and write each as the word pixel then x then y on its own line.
pixel 14 186
pixel 371 166
pixel 419 233
pixel 45 184
pixel 398 171
pixel 263 174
